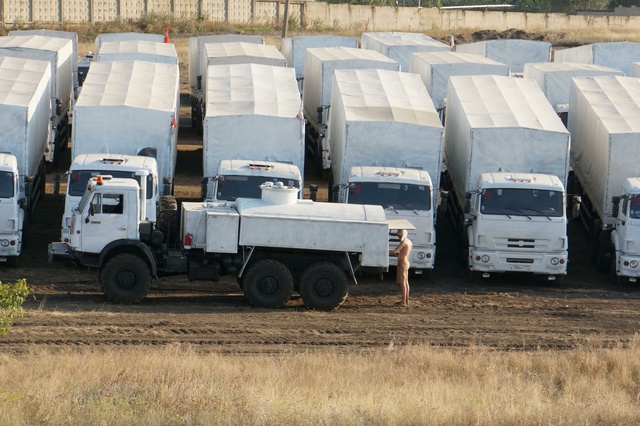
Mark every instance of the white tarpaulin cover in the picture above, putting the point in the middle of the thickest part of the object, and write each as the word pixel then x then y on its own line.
pixel 25 107
pixel 158 38
pixel 383 118
pixel 238 53
pixel 501 124
pixel 513 52
pixel 399 46
pixel 196 49
pixel 618 55
pixel 606 136
pixel 138 50
pixel 320 63
pixel 554 78
pixel 294 48
pixel 127 106
pixel 252 113
pixel 61 67
pixel 435 68
pixel 635 69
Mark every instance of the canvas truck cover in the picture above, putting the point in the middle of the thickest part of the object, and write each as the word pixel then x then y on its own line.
pixel 138 50
pixel 73 36
pixel 252 113
pixel 25 107
pixel 618 55
pixel 399 46
pixel 238 53
pixel 512 52
pixel 501 124
pixel 383 118
pixel 127 106
pixel 554 78
pixel 101 38
pixel 196 50
pixel 635 70
pixel 320 64
pixel 435 68
pixel 60 53
pixel 323 225
pixel 294 49
pixel 606 137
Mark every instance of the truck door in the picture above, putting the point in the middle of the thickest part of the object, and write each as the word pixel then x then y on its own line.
pixel 106 221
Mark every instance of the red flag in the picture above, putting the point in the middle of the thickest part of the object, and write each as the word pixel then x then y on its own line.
pixel 166 35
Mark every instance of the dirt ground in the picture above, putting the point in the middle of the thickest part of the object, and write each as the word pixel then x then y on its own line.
pixel 509 312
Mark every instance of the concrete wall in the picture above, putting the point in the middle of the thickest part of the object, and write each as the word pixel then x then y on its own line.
pixel 308 14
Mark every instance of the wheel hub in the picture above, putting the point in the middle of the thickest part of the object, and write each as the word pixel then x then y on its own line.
pixel 268 286
pixel 323 287
pixel 126 280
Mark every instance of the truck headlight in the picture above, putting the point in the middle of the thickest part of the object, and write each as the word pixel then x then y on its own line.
pixel 421 255
pixel 5 243
pixel 485 258
pixel 555 261
pixel 633 263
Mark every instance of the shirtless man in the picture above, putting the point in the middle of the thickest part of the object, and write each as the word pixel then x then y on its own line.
pixel 402 275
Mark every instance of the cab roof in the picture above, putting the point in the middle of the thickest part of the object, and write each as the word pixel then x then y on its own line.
pixel 390 175
pixel 521 180
pixel 242 167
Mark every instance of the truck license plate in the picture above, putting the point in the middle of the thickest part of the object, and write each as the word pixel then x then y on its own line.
pixel 519 267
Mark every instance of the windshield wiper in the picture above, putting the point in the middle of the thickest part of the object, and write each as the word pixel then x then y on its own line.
pixel 541 212
pixel 519 211
pixel 389 206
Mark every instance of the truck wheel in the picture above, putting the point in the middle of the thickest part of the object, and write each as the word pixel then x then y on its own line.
pixel 603 252
pixel 125 279
pixel 268 284
pixel 613 273
pixel 167 220
pixel 475 276
pixel 559 281
pixel 463 249
pixel 323 286
pixel 13 261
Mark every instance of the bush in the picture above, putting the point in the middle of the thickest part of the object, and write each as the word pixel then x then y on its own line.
pixel 12 296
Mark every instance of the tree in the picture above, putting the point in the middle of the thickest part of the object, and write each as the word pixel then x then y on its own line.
pixel 12 296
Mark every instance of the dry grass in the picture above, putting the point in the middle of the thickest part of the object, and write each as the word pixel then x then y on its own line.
pixel 412 385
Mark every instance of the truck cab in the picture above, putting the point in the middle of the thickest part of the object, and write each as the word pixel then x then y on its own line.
pixel 404 194
pixel 625 237
pixel 87 166
pixel 516 222
pixel 12 215
pixel 242 179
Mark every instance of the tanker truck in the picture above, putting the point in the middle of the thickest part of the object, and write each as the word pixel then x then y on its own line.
pixel 386 148
pixel 25 106
pixel 604 157
pixel 507 158
pixel 274 245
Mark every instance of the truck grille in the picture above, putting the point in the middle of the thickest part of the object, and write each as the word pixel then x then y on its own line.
pixel 517 243
pixel 512 260
pixel 521 244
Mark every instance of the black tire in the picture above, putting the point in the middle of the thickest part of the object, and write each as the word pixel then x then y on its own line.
pixel 13 261
pixel 125 279
pixel 475 276
pixel 559 281
pixel 268 284
pixel 463 249
pixel 168 220
pixel 603 252
pixel 323 286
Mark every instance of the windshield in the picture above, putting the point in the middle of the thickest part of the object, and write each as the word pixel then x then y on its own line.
pixel 634 207
pixel 396 195
pixel 521 202
pixel 232 187
pixel 6 185
pixel 79 178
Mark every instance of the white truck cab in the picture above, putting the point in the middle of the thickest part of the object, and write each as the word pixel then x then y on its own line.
pixel 11 212
pixel 517 223
pixel 625 237
pixel 404 194
pixel 86 166
pixel 242 179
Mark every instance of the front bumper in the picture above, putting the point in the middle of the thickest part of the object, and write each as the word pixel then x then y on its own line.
pixel 421 258
pixel 534 263
pixel 624 266
pixel 60 251
pixel 10 246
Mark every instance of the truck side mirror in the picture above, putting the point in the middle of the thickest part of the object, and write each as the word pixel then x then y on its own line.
pixel 203 188
pixel 313 192
pixel 199 82
pixel 444 201
pixel 58 107
pixel 615 208
pixel 576 201
pixel 335 193
pixel 467 203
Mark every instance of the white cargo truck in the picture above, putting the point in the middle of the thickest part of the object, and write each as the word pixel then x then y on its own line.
pixel 385 139
pixel 604 157
pixel 138 50
pixel 435 68
pixel 399 46
pixel 59 52
pixel 554 78
pixel 294 50
pixel 87 166
pixel 69 35
pixel 25 107
pixel 618 55
pixel 197 71
pixel 130 108
pixel 320 64
pixel 274 245
pixel 507 157
pixel 513 52
pixel 253 113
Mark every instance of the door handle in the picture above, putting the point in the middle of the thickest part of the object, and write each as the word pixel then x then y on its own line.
pixel 122 228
